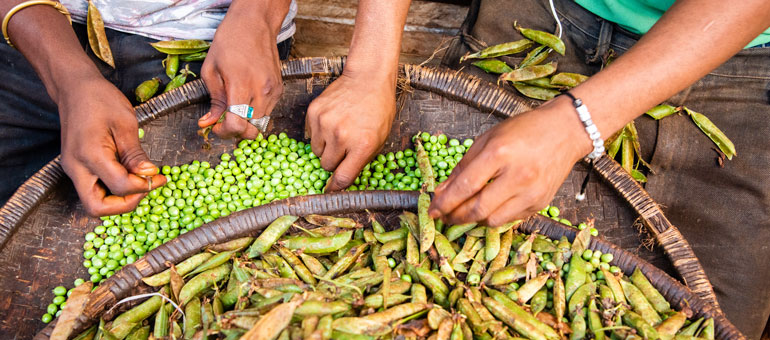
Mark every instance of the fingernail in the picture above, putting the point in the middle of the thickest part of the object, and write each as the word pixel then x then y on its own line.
pixel 147 166
pixel 206 116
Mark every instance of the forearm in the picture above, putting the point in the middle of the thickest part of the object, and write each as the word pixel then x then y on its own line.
pixel 46 39
pixel 376 42
pixel 691 39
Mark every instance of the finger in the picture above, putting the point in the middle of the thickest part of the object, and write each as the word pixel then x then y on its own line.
pixel 135 160
pixel 332 156
pixel 94 195
pixel 469 156
pixel 469 180
pixel 347 171
pixel 216 87
pixel 313 127
pixel 232 126
pixel 518 207
pixel 482 204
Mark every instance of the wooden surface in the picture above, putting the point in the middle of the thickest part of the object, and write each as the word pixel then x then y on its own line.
pixel 325 27
pixel 47 250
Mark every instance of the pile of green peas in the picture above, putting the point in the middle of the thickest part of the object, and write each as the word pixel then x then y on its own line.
pixel 399 171
pixel 60 295
pixel 553 212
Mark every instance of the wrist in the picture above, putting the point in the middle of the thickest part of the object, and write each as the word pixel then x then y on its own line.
pixel 577 141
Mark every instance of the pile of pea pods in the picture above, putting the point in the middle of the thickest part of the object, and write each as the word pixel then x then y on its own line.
pixel 324 277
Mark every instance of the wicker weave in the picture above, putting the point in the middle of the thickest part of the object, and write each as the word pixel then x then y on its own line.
pixel 462 88
pixel 253 221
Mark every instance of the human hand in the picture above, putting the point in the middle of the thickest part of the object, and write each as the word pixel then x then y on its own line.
pixel 514 169
pixel 348 123
pixel 243 67
pixel 100 148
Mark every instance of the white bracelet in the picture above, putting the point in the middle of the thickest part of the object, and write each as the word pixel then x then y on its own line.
pixel 591 129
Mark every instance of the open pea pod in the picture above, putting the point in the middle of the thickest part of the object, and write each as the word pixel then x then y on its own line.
pixel 536 56
pixel 493 66
pixel 512 47
pixel 661 111
pixel 181 46
pixel 713 132
pixel 530 72
pixel 97 37
pixel 536 92
pixel 568 79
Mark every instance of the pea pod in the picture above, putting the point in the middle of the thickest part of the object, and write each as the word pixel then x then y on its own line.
pixel 189 57
pixel 141 333
pixel 707 331
pixel 640 304
pixel 493 66
pixel 612 144
pixel 97 37
pixel 271 234
pixel 576 276
pixel 559 298
pixel 641 325
pixel 543 38
pixel 202 281
pixel 376 300
pixel 423 163
pixel 147 89
pixel 182 268
pixel 531 287
pixel 691 328
pixel 161 323
pixel 456 231
pixel 580 298
pixel 653 296
pixel 180 79
pixel 512 47
pixel 344 263
pixel 668 328
pixel 320 308
pixel 192 313
pixel 543 245
pixel 172 65
pixel 433 282
pixel 578 326
pixel 545 83
pixel 536 56
pixel 331 221
pixel 274 322
pixel 90 333
pixel 427 226
pixel 396 312
pixel 535 92
pixel 476 269
pixel 509 317
pixel 492 244
pixel 595 320
pixel 237 244
pixel 523 251
pixel 124 323
pixel 713 132
pixel 391 247
pixel 502 256
pixel 391 235
pixel 529 72
pixel 325 327
pixel 539 301
pixel 614 284
pixel 661 111
pixel 212 262
pixel 568 79
pixel 507 275
pixel 355 326
pixel 181 46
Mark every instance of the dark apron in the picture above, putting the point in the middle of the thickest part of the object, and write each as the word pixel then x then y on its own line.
pixel 723 212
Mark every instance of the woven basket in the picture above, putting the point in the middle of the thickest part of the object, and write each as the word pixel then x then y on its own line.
pixel 447 83
pixel 252 221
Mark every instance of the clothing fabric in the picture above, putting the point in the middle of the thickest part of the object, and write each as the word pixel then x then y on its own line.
pixel 638 16
pixel 724 213
pixel 168 19
pixel 29 119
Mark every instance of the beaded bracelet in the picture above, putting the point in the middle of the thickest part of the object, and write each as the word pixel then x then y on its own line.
pixel 591 129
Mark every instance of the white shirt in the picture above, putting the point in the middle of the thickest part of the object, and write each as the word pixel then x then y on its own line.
pixel 167 19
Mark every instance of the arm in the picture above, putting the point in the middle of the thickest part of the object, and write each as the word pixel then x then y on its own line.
pixel 529 156
pixel 243 67
pixel 94 131
pixel 349 122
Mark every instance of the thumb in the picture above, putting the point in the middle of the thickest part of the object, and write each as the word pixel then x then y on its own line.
pixel 132 156
pixel 346 172
pixel 218 102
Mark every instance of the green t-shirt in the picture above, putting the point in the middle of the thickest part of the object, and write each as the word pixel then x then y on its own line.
pixel 638 16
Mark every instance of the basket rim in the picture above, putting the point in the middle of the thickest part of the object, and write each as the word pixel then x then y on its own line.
pixel 251 222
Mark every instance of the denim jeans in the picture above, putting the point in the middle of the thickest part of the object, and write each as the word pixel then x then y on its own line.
pixel 29 120
pixel 724 212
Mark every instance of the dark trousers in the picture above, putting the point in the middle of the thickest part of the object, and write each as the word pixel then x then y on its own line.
pixel 723 212
pixel 29 120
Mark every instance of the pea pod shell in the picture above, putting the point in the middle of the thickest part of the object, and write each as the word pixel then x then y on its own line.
pixel 202 281
pixel 147 89
pixel 493 66
pixel 179 80
pixel 640 304
pixel 535 56
pixel 360 326
pixel 535 92
pixel 498 50
pixel 274 322
pixel 320 308
pixel 661 111
pixel 271 234
pixel 331 221
pixel 668 328
pixel 423 162
pixel 545 83
pixel 197 56
pixel 427 226
pixel 543 38
pixel 456 231
pixel 172 65
pixel 714 133
pixel 97 37
pixel 641 325
pixel 568 79
pixel 318 245
pixel 237 244
pixel 181 46
pixel 529 72
pixel 653 295
pixel 509 318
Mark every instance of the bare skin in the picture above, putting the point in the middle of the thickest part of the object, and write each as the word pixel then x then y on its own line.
pixel 529 156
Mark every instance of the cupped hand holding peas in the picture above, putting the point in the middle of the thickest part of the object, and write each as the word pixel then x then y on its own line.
pixel 514 169
pixel 243 67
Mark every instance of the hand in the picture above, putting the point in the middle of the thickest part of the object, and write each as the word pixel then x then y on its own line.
pixel 348 123
pixel 100 148
pixel 242 67
pixel 514 169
